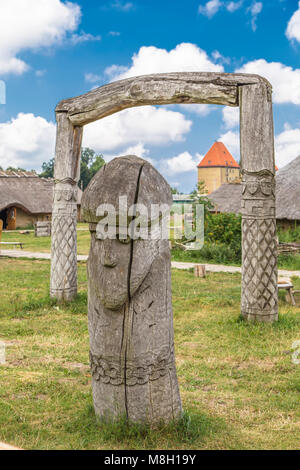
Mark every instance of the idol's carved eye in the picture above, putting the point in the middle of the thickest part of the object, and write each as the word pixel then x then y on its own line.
pixel 123 240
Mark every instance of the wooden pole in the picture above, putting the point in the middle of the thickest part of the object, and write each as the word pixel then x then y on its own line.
pixel 63 285
pixel 259 247
pixel 199 270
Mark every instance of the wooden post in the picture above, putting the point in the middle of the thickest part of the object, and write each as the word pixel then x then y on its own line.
pixel 63 283
pixel 259 247
pixel 12 218
pixel 199 270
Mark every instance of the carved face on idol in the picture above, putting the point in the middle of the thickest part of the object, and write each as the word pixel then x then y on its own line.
pixel 258 183
pixel 121 268
pixel 116 266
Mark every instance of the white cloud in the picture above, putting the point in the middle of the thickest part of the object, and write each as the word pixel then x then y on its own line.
pixel 114 71
pixel 284 79
pixel 122 6
pixel 232 141
pixel 83 37
pixel 293 27
pixel 114 33
pixel 182 163
pixel 186 57
pixel 40 73
pixel 199 109
pixel 255 10
pixel 233 6
pixel 26 141
pixel 139 150
pixel 218 56
pixel 174 184
pixel 213 6
pixel 147 125
pixel 35 24
pixel 92 77
pixel 287 146
pixel 231 117
pixel 210 8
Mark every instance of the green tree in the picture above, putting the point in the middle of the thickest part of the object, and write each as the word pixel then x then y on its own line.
pixel 12 168
pixel 174 191
pixel 48 169
pixel 90 163
pixel 199 196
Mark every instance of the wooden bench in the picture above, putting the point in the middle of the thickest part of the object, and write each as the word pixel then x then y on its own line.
pixel 288 286
pixel 20 244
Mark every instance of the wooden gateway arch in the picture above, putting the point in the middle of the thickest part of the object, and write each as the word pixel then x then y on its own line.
pixel 253 94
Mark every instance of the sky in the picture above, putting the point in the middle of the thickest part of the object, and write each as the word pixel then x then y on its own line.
pixel 52 50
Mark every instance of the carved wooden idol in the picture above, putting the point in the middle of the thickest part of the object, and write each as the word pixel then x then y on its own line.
pixel 130 305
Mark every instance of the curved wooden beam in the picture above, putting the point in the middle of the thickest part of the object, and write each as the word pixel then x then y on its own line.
pixel 157 89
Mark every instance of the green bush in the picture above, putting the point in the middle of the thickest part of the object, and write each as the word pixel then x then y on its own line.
pixel 289 235
pixel 211 252
pixel 223 228
pixel 223 240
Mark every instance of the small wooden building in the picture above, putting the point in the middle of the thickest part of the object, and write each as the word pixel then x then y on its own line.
pixel 228 197
pixel 25 198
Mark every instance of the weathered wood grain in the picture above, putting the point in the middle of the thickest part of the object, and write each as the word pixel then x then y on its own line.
pixel 63 283
pixel 170 88
pixel 130 306
pixel 259 245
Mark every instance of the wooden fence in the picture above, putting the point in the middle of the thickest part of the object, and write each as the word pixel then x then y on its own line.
pixel 288 248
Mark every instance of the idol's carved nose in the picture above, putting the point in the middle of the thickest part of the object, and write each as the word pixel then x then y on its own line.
pixel 108 257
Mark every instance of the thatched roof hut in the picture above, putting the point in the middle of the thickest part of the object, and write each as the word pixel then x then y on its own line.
pixel 26 190
pixel 288 191
pixel 25 198
pixel 227 198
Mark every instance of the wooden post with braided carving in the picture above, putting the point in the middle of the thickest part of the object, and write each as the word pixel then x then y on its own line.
pixel 63 285
pixel 259 246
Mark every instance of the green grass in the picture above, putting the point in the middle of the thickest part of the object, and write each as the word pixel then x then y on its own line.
pixel 289 235
pixel 43 244
pixel 239 387
pixel 210 254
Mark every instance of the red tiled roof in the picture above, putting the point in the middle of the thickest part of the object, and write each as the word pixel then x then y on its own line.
pixel 218 155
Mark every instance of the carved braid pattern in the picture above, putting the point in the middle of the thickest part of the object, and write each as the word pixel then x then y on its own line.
pixel 259 285
pixel 64 253
pixel 110 371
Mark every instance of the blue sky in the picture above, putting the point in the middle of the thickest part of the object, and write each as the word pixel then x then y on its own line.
pixel 53 50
